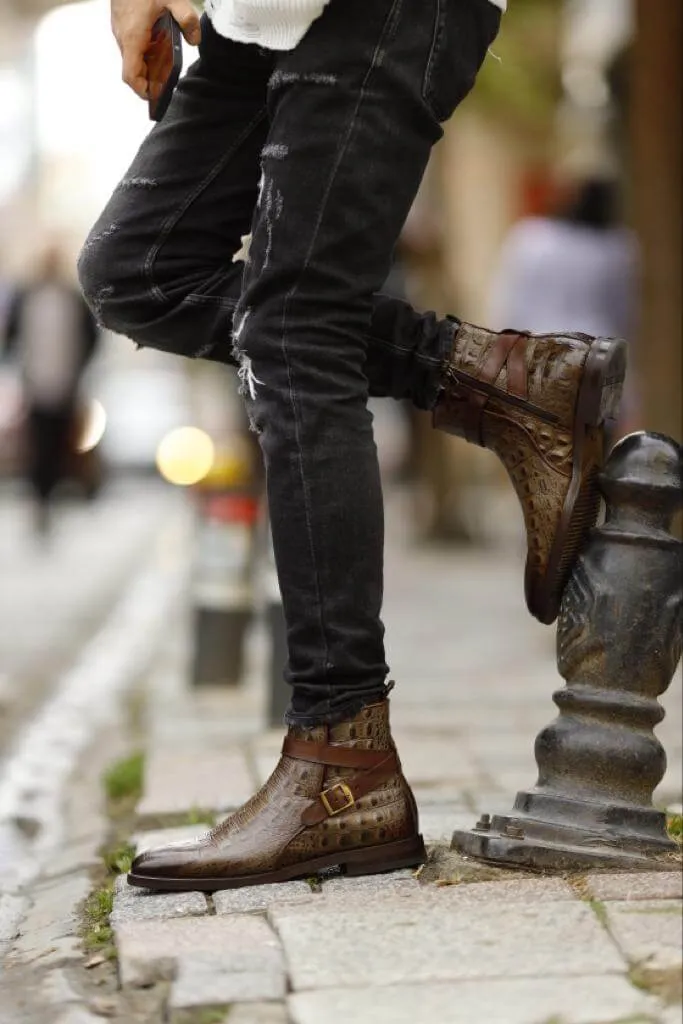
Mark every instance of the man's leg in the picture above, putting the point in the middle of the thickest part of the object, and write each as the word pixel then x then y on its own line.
pixel 351 131
pixel 352 127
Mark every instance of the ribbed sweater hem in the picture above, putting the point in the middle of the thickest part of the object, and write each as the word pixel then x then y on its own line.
pixel 272 24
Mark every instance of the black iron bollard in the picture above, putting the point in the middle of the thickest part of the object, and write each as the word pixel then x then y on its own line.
pixel 619 642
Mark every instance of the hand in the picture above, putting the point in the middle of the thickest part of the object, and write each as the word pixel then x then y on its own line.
pixel 132 22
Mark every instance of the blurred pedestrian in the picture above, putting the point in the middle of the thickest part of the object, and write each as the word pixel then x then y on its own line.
pixel 312 123
pixel 52 335
pixel 576 269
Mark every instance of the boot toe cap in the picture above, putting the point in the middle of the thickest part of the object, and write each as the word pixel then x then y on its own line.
pixel 174 861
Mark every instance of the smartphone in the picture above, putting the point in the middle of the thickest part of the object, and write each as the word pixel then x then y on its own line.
pixel 164 60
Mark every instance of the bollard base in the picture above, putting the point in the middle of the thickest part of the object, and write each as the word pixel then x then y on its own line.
pixel 523 842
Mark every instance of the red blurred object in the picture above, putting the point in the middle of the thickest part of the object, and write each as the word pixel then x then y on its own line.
pixel 232 508
pixel 538 192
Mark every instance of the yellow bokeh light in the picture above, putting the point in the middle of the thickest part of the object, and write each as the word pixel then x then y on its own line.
pixel 185 456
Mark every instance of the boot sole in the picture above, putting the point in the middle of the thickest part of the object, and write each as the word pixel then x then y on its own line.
pixel 598 400
pixel 406 853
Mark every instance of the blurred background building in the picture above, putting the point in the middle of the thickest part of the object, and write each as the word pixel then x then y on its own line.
pixel 572 88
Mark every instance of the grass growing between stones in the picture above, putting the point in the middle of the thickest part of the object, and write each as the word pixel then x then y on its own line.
pixel 96 932
pixel 207 1015
pixel 674 825
pixel 600 911
pixel 123 782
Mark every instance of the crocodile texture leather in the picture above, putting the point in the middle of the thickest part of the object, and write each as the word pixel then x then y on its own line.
pixel 268 833
pixel 531 424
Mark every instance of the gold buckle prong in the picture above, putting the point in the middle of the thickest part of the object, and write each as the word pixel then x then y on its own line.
pixel 350 799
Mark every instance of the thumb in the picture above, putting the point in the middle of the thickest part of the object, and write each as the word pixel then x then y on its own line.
pixel 188 19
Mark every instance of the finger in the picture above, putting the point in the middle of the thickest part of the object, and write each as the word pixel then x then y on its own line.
pixel 188 19
pixel 135 72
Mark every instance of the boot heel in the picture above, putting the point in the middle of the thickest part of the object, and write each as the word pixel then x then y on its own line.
pixel 603 384
pixel 408 853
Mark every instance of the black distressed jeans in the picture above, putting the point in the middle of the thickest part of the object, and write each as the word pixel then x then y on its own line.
pixel 319 153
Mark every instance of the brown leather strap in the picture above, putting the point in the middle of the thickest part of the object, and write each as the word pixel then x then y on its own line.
pixel 496 356
pixel 342 796
pixel 506 350
pixel 473 417
pixel 517 368
pixel 332 756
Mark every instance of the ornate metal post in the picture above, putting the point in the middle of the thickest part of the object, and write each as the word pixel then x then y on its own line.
pixel 619 642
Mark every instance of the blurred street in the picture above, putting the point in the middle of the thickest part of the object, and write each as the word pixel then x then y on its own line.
pixel 55 592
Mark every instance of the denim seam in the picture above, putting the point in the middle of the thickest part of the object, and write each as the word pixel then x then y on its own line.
pixel 439 21
pixel 171 223
pixel 288 298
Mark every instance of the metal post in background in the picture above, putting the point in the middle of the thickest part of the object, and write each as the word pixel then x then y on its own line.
pixel 222 577
pixel 279 693
pixel 620 635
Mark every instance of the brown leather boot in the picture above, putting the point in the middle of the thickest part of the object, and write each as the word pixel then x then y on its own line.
pixel 540 403
pixel 337 798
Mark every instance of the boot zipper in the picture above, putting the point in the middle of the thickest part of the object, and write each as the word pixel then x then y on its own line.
pixel 460 377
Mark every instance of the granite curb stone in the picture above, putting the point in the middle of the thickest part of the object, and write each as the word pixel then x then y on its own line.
pixel 205 981
pixel 382 943
pixel 259 898
pixel 580 1000
pixel 151 951
pixel 649 934
pixel 660 885
pixel 134 904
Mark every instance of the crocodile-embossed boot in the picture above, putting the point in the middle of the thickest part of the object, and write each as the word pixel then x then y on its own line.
pixel 337 798
pixel 540 402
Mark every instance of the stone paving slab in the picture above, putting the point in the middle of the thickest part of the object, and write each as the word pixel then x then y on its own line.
pixel 377 890
pixel 260 1013
pixel 439 822
pixel 648 929
pixel 259 898
pixel 133 904
pixel 503 892
pixel 151 952
pixel 204 981
pixel 177 781
pixel 384 942
pixel 368 888
pixel 57 989
pixel 78 1015
pixel 582 1000
pixel 49 931
pixel 433 794
pixel 660 885
pixel 11 911
pixel 434 760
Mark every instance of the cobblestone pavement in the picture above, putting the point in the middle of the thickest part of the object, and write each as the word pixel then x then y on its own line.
pixel 475 681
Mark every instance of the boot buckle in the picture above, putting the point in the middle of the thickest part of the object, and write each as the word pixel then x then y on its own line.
pixel 347 795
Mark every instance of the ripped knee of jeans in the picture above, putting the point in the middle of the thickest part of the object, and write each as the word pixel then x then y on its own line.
pixel 249 382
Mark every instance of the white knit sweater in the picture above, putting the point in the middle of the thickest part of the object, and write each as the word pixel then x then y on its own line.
pixel 272 24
